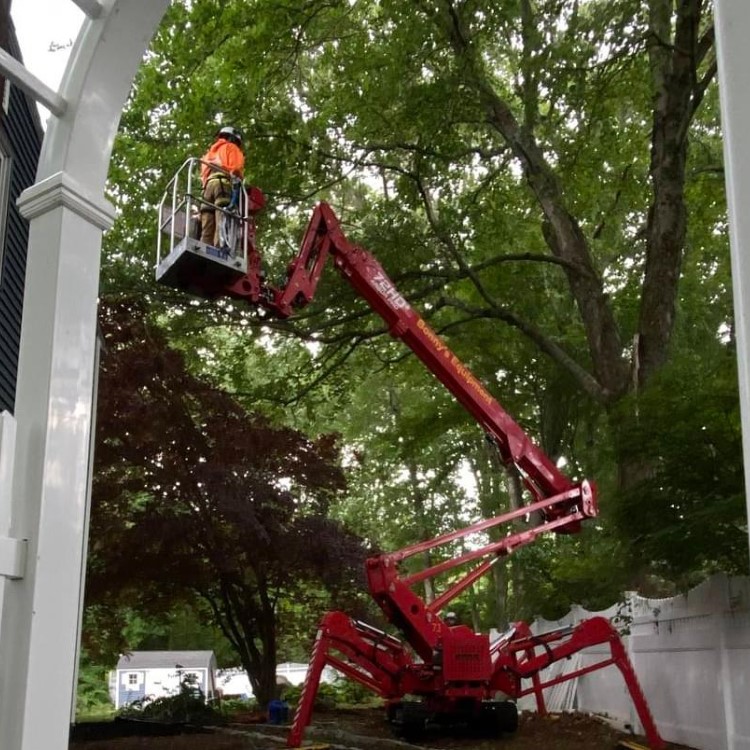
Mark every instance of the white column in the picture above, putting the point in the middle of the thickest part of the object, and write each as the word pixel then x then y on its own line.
pixel 732 19
pixel 41 610
pixel 54 399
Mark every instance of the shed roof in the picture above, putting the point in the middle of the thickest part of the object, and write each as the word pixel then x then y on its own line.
pixel 167 659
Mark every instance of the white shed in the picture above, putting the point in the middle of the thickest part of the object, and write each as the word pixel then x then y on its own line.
pixel 158 674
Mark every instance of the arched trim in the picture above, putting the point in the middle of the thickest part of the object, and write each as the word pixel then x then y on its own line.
pixel 51 473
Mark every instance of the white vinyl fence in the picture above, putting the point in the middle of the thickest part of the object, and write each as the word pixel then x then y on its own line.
pixel 692 657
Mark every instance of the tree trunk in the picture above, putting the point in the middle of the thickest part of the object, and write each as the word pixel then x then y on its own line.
pixel 252 632
pixel 423 530
pixel 677 49
pixel 674 57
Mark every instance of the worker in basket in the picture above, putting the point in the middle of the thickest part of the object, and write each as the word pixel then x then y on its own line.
pixel 221 191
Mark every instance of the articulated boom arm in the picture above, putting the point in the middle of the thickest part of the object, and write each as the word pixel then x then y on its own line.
pixel 455 675
pixel 418 620
pixel 324 237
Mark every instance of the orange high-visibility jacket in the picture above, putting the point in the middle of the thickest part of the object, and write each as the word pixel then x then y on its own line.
pixel 226 155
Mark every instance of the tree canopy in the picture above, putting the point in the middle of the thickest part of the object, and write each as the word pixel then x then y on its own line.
pixel 543 181
pixel 196 498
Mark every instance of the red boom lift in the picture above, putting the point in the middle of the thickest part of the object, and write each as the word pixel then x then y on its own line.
pixel 442 673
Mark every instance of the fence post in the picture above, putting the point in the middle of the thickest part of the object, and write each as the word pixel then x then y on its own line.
pixel 629 643
pixel 723 611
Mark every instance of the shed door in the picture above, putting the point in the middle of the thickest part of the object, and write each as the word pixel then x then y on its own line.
pixel 132 686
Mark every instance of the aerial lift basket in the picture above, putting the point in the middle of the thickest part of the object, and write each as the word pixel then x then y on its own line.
pixel 186 263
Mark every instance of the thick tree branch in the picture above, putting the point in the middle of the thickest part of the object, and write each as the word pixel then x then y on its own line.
pixel 564 235
pixel 584 379
pixel 324 373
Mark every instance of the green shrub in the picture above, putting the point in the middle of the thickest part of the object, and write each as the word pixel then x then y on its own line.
pixel 187 706
pixel 92 695
pixel 233 706
pixel 352 693
pixel 325 700
pixel 342 692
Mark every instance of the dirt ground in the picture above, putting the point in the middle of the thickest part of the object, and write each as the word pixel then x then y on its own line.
pixel 366 729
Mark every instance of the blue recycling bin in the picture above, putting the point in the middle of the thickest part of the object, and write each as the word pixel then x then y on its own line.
pixel 278 712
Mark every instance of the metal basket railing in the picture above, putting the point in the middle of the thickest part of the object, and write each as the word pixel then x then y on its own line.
pixel 181 205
